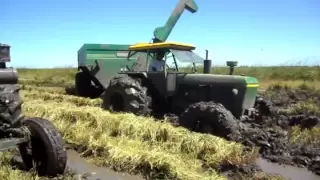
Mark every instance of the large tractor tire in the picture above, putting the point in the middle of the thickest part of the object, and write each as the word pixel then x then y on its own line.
pixel 127 94
pixel 211 118
pixel 10 105
pixel 45 151
pixel 84 88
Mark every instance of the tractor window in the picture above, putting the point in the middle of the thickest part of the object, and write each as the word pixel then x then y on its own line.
pixel 170 61
pixel 187 56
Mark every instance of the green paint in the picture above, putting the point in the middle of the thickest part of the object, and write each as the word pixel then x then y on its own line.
pixel 251 80
pixel 101 56
pixel 162 33
pixel 251 91
pixel 110 58
pixel 105 47
pixel 250 97
pixel 87 50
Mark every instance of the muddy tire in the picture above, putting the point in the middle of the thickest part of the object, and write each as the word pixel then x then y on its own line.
pixel 45 152
pixel 212 118
pixel 10 108
pixel 263 106
pixel 126 94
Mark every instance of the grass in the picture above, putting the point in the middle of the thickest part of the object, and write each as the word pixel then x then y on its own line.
pixel 308 136
pixel 47 96
pixel 125 142
pixel 8 173
pixel 262 73
pixel 267 75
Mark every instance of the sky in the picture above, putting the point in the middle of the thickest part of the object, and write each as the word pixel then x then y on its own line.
pixel 45 34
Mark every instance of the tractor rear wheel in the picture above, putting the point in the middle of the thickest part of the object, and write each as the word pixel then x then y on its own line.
pixel 127 94
pixel 212 118
pixel 45 151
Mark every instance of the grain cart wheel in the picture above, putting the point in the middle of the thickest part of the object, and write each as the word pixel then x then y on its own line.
pixel 126 94
pixel 212 118
pixel 45 151
pixel 83 85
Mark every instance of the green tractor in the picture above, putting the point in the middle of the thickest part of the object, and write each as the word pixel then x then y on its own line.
pixel 204 102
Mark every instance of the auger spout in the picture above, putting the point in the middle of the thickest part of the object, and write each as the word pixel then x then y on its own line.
pixel 162 33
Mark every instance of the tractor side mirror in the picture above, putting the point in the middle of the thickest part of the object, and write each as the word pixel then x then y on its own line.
pixel 232 64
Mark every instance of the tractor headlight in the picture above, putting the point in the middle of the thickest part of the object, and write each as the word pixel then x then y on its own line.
pixel 235 91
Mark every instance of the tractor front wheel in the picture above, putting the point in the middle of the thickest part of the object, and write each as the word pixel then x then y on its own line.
pixel 126 94
pixel 45 151
pixel 211 118
pixel 263 106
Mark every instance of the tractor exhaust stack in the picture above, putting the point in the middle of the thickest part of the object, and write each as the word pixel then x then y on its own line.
pixel 207 64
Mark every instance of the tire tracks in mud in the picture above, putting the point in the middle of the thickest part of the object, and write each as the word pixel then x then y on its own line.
pixel 272 134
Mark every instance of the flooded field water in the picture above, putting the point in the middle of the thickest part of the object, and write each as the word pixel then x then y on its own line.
pixel 288 172
pixel 80 166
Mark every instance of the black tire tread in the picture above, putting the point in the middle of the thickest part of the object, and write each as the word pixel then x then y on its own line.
pixel 122 84
pixel 264 106
pixel 54 146
pixel 222 121
pixel 11 113
pixel 83 84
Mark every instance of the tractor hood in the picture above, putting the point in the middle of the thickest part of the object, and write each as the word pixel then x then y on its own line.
pixel 237 93
pixel 213 79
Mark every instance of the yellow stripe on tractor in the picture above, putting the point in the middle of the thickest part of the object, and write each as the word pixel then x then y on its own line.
pixel 168 45
pixel 252 85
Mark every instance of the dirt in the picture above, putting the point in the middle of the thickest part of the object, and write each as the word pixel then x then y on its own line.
pixel 271 133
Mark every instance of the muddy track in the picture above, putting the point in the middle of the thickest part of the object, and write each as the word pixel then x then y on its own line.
pixel 271 134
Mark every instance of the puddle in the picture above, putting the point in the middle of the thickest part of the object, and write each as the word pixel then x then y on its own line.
pixel 288 172
pixel 80 166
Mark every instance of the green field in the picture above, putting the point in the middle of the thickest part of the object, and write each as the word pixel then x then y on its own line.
pixel 289 75
pixel 141 145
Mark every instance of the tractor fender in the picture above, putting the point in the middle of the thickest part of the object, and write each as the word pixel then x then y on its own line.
pixel 140 76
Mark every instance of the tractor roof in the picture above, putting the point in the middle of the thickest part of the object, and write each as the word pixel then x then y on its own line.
pixel 161 45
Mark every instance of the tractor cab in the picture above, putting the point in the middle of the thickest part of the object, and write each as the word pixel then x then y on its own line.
pixel 175 57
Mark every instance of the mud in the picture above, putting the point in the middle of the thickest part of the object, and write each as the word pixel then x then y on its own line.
pixel 271 134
